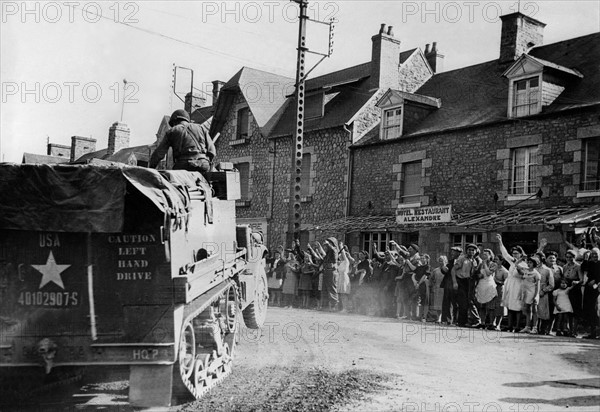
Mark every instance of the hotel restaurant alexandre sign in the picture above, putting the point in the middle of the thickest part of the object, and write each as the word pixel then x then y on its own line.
pixel 423 214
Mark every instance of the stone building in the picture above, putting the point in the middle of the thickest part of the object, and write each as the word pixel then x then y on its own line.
pixel 507 146
pixel 255 115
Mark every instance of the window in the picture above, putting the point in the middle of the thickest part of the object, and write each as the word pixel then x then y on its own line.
pixel 591 163
pixel 524 170
pixel 379 239
pixel 411 184
pixel 392 123
pixel 314 105
pixel 244 169
pixel 306 182
pixel 242 123
pixel 526 97
pixel 463 239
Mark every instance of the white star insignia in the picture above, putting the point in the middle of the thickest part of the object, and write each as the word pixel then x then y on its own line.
pixel 51 271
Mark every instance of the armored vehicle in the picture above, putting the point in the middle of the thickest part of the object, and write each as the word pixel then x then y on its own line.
pixel 108 265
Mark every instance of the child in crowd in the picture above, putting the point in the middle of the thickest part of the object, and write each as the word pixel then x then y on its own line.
pixel 530 293
pixel 563 308
pixel 305 284
pixel 275 277
pixel 290 282
pixel 420 280
pixel 436 291
pixel 398 289
pixel 500 276
pixel 485 291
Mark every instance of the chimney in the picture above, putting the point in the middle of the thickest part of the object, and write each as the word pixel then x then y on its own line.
pixel 59 150
pixel 80 146
pixel 118 137
pixel 193 102
pixel 217 86
pixel 519 34
pixel 385 59
pixel 434 58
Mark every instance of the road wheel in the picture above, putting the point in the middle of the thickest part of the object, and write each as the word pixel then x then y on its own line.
pixel 256 312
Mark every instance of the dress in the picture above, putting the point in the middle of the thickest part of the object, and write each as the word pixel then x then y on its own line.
pixel 486 289
pixel 590 294
pixel 563 304
pixel 571 272
pixel 546 287
pixel 500 275
pixel 275 277
pixel 306 277
pixel 531 279
pixel 344 277
pixel 290 283
pixel 437 292
pixel 330 276
pixel 511 298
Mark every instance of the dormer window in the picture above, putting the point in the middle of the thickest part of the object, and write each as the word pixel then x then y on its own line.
pixel 526 97
pixel 534 84
pixel 391 125
pixel 314 106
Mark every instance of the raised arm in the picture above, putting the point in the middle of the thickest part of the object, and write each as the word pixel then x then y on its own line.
pixel 543 244
pixel 503 250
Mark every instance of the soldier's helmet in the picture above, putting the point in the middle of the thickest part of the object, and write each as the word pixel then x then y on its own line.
pixel 178 115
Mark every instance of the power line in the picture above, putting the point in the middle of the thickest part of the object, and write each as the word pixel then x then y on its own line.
pixel 184 42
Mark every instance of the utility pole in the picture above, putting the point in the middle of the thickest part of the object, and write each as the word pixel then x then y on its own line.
pixel 299 125
pixel 296 181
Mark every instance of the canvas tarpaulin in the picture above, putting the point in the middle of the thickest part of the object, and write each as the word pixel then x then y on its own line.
pixel 78 198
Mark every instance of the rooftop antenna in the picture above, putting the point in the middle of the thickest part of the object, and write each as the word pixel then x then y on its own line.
pixel 123 103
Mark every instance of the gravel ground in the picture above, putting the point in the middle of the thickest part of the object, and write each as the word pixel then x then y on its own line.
pixel 290 389
pixel 304 360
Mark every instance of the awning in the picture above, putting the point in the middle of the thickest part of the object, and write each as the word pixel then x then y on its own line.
pixel 484 221
pixel 585 217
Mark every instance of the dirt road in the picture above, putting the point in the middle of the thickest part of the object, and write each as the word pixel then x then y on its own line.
pixel 408 366
pixel 309 360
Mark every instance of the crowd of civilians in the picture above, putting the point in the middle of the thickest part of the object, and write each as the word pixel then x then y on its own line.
pixel 506 290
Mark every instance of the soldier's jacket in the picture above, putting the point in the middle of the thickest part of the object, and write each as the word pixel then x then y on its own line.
pixel 189 141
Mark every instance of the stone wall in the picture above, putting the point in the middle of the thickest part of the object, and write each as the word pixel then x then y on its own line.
pixel 81 145
pixel 413 73
pixel 469 166
pixel 258 152
pixel 330 166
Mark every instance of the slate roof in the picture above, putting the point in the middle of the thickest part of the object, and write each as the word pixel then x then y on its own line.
pixel 341 76
pixel 264 92
pixel 338 111
pixel 98 154
pixel 353 90
pixel 202 114
pixel 478 94
pixel 32 158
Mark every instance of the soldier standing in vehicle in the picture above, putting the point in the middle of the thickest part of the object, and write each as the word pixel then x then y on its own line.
pixel 193 149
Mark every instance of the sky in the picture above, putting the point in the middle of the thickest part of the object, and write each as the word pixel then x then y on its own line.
pixel 63 64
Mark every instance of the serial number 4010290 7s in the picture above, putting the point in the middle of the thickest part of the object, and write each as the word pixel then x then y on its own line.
pixel 54 299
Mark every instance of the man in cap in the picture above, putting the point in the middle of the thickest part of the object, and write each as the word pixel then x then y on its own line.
pixel 449 284
pixel 465 273
pixel 193 149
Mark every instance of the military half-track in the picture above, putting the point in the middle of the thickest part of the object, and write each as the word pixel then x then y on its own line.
pixel 107 265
